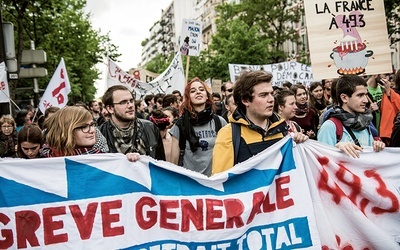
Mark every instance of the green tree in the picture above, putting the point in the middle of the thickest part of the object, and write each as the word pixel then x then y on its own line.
pixel 238 43
pixel 159 63
pixel 63 30
pixel 392 8
pixel 199 66
pixel 274 19
pixel 252 32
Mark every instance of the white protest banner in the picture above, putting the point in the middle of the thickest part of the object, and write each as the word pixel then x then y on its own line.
pixel 347 37
pixel 4 89
pixel 56 93
pixel 171 79
pixel 292 72
pixel 304 196
pixel 117 76
pixel 191 37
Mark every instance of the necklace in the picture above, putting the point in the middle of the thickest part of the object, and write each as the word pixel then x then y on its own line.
pixel 266 126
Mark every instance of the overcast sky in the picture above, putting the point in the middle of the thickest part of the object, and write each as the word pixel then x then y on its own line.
pixel 128 22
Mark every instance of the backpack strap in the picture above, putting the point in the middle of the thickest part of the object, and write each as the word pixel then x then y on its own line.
pixel 339 128
pixel 182 142
pixel 339 131
pixel 217 123
pixel 236 130
pixel 353 136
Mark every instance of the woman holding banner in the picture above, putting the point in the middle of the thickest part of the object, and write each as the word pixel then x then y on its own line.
pixel 72 131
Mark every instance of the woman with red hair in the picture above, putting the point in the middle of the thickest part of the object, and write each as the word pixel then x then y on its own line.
pixel 194 133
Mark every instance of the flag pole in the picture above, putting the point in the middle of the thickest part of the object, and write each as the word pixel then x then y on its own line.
pixel 11 100
pixel 187 68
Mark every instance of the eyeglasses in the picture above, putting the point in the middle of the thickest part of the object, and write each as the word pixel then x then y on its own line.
pixel 86 128
pixel 124 102
pixel 229 90
pixel 7 127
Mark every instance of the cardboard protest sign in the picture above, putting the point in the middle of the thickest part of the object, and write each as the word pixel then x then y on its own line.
pixel 191 37
pixel 347 37
pixel 292 72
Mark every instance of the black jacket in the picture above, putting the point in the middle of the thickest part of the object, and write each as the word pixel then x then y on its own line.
pixel 395 139
pixel 151 138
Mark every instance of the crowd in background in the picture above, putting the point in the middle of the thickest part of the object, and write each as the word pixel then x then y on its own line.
pixel 182 127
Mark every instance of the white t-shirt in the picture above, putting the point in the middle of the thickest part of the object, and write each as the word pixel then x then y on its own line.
pixel 200 160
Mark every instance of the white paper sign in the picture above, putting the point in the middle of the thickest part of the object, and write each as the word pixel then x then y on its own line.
pixel 292 72
pixel 191 37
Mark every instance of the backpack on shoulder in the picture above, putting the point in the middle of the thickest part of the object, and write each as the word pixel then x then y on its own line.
pixel 339 131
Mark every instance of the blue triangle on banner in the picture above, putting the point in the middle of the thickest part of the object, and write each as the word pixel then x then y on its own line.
pixel 83 182
pixel 288 162
pixel 13 194
pixel 165 182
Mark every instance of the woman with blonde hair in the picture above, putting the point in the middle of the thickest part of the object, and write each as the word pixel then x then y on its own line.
pixel 70 131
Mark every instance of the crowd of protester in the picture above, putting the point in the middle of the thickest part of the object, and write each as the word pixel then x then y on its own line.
pixel 198 129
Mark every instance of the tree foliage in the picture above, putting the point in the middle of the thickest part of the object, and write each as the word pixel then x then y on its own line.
pixel 159 63
pixel 392 8
pixel 252 32
pixel 63 30
pixel 238 43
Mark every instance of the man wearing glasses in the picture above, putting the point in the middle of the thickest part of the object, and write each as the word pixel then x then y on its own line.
pixel 125 133
pixel 226 89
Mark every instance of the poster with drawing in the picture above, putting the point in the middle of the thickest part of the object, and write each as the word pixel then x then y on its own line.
pixel 191 37
pixel 347 37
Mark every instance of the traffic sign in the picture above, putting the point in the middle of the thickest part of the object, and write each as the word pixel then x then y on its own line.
pixel 33 56
pixel 13 76
pixel 32 72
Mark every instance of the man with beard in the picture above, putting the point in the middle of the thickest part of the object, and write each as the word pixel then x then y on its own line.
pixel 124 132
pixel 353 115
pixel 96 113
